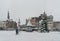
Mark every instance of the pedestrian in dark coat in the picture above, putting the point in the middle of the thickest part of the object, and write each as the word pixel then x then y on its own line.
pixel 17 31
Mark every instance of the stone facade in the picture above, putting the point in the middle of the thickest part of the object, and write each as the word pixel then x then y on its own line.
pixel 56 25
pixel 2 25
pixel 50 26
pixel 11 24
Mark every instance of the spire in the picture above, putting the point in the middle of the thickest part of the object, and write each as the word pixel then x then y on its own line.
pixel 44 11
pixel 8 15
pixel 19 22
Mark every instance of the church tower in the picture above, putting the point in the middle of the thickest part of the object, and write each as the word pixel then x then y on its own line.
pixel 8 17
pixel 19 24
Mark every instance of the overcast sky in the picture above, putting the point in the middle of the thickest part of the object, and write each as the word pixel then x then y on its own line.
pixel 29 8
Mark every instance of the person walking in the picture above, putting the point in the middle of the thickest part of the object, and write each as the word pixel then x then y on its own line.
pixel 17 31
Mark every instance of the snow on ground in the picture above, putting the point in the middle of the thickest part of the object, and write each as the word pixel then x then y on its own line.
pixel 29 36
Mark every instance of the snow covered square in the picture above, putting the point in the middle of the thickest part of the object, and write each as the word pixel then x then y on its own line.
pixel 29 36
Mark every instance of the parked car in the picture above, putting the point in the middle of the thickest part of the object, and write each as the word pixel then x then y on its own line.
pixel 28 28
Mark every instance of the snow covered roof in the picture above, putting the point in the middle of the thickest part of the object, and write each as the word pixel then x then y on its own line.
pixel 29 23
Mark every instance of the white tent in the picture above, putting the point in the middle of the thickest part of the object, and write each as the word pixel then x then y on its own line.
pixel 29 23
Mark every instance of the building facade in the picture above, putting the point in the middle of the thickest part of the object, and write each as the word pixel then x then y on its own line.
pixel 2 25
pixel 56 25
pixel 9 24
